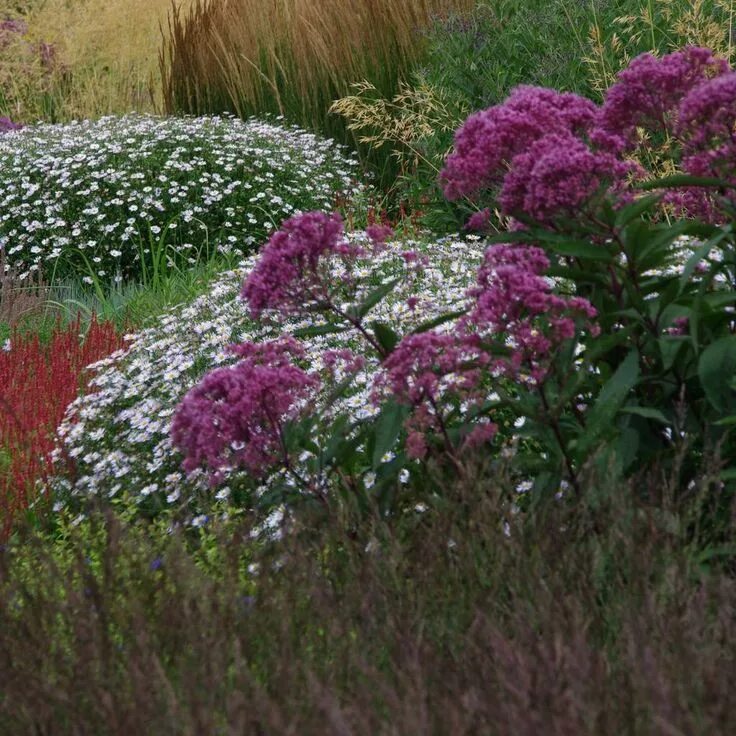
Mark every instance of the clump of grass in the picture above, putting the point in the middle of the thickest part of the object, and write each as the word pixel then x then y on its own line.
pixel 21 299
pixel 134 303
pixel 105 59
pixel 460 618
pixel 291 58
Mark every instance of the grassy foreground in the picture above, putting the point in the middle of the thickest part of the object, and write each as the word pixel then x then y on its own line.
pixel 465 619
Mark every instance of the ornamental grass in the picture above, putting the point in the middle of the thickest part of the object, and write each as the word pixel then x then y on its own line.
pixel 105 58
pixel 293 58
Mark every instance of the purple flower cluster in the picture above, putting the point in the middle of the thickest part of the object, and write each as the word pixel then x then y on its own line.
pixel 7 125
pixel 707 117
pixel 488 141
pixel 422 365
pixel 479 221
pixel 705 129
pixel 427 371
pixel 556 177
pixel 289 273
pixel 515 301
pixel 235 416
pixel 543 155
pixel 648 93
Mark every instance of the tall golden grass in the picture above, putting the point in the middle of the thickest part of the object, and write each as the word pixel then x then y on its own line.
pixel 105 58
pixel 291 57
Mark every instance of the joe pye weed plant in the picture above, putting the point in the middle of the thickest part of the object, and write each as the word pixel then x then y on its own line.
pixel 624 363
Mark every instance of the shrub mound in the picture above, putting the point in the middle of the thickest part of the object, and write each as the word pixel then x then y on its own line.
pixel 126 197
pixel 118 436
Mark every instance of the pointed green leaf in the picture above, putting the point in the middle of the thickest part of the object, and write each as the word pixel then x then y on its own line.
pixel 375 296
pixel 685 180
pixel 581 249
pixel 669 349
pixel 387 429
pixel 646 412
pixel 716 368
pixel 726 421
pixel 387 338
pixel 609 401
pixel 319 330
pixel 636 209
pixel 437 321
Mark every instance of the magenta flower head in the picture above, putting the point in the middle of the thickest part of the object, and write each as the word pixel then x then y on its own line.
pixel 513 301
pixel 706 121
pixel 430 371
pixel 235 416
pixel 289 272
pixel 648 93
pixel 480 221
pixel 378 235
pixel 423 366
pixel 488 140
pixel 705 128
pixel 556 177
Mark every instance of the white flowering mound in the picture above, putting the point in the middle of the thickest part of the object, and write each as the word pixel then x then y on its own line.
pixel 113 197
pixel 117 436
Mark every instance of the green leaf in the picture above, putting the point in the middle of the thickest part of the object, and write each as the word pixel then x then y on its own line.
pixel 387 338
pixel 339 390
pixel 626 214
pixel 375 296
pixel 581 249
pixel 609 401
pixel 718 300
pixel 685 180
pixel 437 321
pixel 387 429
pixel 669 348
pixel 656 244
pixel 581 275
pixel 726 421
pixel 646 412
pixel 607 342
pixel 713 553
pixel 520 236
pixel 319 330
pixel 716 368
